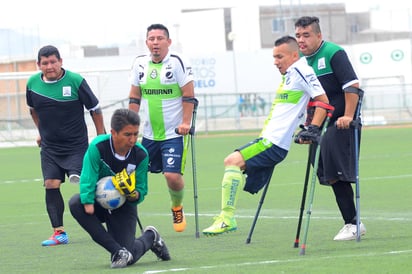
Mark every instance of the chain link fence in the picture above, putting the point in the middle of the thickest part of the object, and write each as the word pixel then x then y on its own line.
pixel 245 110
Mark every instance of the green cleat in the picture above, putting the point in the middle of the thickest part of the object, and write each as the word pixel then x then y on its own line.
pixel 221 225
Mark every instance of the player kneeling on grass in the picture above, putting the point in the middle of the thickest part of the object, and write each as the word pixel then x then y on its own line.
pixel 119 155
pixel 258 158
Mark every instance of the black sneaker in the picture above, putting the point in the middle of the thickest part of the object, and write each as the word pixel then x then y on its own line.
pixel 159 247
pixel 121 258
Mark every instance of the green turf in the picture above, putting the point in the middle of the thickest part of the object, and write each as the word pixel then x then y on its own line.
pixel 385 176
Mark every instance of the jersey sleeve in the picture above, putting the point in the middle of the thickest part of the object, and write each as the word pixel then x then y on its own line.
pixel 86 95
pixel 134 72
pixel 89 175
pixel 184 70
pixel 343 69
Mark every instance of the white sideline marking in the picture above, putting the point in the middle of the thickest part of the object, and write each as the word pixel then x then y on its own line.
pixel 278 184
pixel 276 261
pixel 374 218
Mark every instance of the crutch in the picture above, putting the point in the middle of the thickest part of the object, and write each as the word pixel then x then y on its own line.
pixel 329 111
pixel 302 204
pixel 310 113
pixel 357 124
pixel 192 132
pixel 192 142
pixel 262 198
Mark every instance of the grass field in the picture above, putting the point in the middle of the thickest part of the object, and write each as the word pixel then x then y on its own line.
pixel 385 178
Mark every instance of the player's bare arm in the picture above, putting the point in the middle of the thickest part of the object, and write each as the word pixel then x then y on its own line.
pixel 135 96
pixel 187 92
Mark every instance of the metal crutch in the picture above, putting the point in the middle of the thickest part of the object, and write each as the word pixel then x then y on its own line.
pixel 192 142
pixel 192 132
pixel 329 112
pixel 302 204
pixel 357 124
pixel 262 198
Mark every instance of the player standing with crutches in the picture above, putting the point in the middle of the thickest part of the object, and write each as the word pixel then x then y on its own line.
pixel 258 158
pixel 337 76
pixel 162 86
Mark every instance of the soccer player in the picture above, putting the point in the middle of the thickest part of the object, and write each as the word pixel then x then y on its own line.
pixel 259 157
pixel 119 155
pixel 337 76
pixel 57 98
pixel 162 87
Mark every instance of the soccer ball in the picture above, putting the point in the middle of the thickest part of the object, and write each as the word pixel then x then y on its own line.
pixel 107 195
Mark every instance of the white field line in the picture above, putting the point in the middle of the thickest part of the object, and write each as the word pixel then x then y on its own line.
pixel 381 218
pixel 273 262
pixel 401 176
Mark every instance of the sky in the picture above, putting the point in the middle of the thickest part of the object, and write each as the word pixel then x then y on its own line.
pixel 107 22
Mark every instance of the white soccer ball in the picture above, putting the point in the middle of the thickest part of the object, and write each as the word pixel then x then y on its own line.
pixel 107 195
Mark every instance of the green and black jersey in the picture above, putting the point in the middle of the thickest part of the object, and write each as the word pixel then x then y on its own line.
pixel 100 161
pixel 60 106
pixel 335 72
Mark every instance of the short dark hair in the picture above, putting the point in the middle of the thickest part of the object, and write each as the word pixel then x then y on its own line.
pixel 158 26
pixel 123 117
pixel 47 51
pixel 305 21
pixel 286 40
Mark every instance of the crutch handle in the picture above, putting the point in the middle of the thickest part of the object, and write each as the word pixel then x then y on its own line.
pixel 357 123
pixel 191 131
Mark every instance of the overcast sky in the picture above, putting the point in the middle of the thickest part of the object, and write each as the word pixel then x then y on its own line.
pixel 102 22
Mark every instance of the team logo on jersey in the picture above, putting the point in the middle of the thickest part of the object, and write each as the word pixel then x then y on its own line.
pixel 321 63
pixel 153 74
pixel 170 161
pixel 67 91
pixel 169 75
pixel 141 75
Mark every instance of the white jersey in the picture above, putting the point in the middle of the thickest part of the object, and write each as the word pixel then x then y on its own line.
pixel 299 84
pixel 161 99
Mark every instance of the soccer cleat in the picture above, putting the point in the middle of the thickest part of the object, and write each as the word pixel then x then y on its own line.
pixel 221 225
pixel 74 179
pixel 121 258
pixel 179 220
pixel 159 247
pixel 348 232
pixel 58 238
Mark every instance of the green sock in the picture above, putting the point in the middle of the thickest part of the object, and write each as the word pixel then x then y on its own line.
pixel 176 197
pixel 232 180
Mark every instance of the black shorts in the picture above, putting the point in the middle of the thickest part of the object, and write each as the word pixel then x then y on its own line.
pixel 57 166
pixel 337 157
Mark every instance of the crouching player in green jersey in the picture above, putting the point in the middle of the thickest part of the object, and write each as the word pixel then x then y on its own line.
pixel 119 155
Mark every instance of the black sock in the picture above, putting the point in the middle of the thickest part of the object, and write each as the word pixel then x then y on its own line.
pixel 55 206
pixel 344 198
